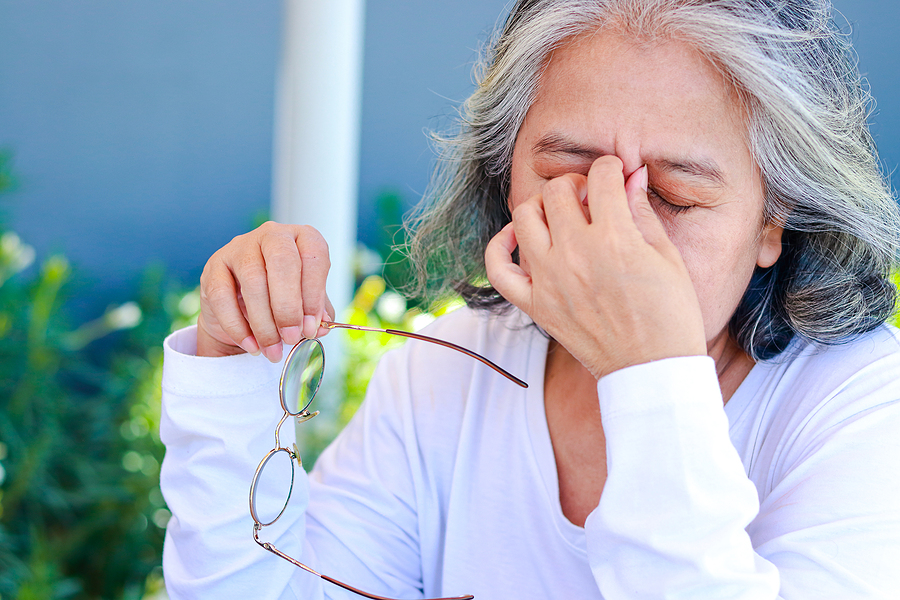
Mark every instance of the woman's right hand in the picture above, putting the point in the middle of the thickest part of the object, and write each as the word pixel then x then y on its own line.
pixel 264 289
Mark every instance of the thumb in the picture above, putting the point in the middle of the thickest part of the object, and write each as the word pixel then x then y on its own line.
pixel 645 218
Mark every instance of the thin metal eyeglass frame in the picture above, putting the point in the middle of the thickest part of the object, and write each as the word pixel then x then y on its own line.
pixel 303 415
pixel 425 338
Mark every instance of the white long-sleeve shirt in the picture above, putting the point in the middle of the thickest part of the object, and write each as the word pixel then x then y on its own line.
pixel 445 482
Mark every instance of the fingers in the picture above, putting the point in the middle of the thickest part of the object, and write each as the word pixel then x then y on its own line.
pixel 264 289
pixel 249 269
pixel 622 207
pixel 531 232
pixel 508 278
pixel 221 310
pixel 280 295
pixel 313 252
pixel 607 200
pixel 565 204
pixel 296 264
pixel 642 213
pixel 329 316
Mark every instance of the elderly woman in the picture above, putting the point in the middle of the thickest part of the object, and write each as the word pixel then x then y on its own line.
pixel 668 216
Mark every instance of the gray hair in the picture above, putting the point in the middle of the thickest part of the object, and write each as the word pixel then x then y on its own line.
pixel 807 129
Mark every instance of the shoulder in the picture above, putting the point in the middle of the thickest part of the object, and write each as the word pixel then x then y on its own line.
pixel 865 368
pixel 422 395
pixel 816 398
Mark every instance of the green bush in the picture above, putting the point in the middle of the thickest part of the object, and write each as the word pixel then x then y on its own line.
pixel 81 514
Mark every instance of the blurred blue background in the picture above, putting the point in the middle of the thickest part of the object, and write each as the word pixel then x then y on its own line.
pixel 142 131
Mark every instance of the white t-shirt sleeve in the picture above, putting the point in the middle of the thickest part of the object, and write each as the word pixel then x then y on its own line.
pixel 670 523
pixel 218 421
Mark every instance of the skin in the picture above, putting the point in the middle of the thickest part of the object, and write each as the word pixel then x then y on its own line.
pixel 638 215
pixel 264 289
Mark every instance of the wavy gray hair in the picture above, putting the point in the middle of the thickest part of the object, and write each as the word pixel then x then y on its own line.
pixel 807 118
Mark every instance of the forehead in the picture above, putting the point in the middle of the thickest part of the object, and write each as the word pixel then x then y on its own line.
pixel 614 91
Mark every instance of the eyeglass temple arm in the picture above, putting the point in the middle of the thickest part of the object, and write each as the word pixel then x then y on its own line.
pixel 268 546
pixel 425 338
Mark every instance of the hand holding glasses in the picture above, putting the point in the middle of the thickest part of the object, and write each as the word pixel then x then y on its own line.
pixel 300 379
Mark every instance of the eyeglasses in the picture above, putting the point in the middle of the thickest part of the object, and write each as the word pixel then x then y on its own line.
pixel 300 380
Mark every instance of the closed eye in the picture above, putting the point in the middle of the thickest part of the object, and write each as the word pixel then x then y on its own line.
pixel 662 202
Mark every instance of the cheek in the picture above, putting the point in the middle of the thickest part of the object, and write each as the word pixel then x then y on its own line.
pixel 720 266
pixel 521 184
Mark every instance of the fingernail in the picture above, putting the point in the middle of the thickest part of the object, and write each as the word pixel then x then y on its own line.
pixel 249 344
pixel 310 326
pixel 291 335
pixel 273 352
pixel 644 178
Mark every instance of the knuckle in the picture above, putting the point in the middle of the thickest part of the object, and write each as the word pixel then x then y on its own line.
pixel 268 227
pixel 645 211
pixel 239 240
pixel 218 293
pixel 282 255
pixel 558 187
pixel 526 208
pixel 267 337
pixel 231 324
pixel 310 237
pixel 285 315
pixel 268 231
pixel 252 275
pixel 205 277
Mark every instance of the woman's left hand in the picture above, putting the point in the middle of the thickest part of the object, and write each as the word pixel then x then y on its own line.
pixel 606 282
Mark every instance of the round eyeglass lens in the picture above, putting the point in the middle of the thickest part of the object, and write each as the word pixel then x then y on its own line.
pixel 271 487
pixel 302 375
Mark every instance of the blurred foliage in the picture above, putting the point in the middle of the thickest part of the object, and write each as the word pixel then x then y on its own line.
pixel 381 274
pixel 393 264
pixel 7 179
pixel 81 513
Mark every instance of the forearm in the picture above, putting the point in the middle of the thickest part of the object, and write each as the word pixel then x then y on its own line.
pixel 671 521
pixel 218 419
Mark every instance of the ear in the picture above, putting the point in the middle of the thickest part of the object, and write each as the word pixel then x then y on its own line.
pixel 769 245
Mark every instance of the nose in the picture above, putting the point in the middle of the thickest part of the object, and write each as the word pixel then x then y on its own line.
pixel 629 152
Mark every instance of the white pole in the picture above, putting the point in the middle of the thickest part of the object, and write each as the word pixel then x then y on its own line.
pixel 317 114
pixel 316 155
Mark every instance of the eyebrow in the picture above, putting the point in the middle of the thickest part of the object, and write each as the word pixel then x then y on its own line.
pixel 704 169
pixel 554 143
